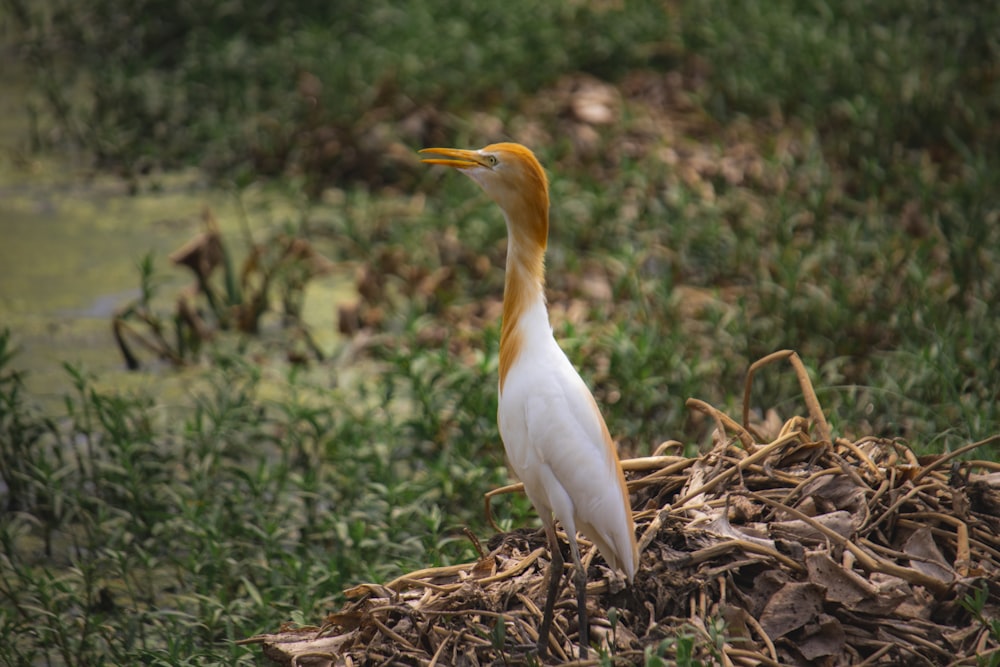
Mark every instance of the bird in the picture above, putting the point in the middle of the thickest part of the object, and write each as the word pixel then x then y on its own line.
pixel 556 440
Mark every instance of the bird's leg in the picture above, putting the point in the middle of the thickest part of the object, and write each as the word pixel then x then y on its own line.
pixel 555 577
pixel 580 577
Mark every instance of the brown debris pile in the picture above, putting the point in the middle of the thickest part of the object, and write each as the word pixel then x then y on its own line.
pixel 780 545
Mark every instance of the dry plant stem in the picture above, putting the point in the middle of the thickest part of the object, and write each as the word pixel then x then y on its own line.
pixel 881 491
pixel 475 542
pixel 525 563
pixel 864 458
pixel 318 654
pixel 409 582
pixel 653 529
pixel 892 553
pixel 874 657
pixel 991 551
pixel 794 493
pixel 710 552
pixel 751 657
pixel 397 584
pixel 984 635
pixel 657 463
pixel 392 635
pixel 758 456
pixel 915 637
pixel 847 469
pixel 667 445
pixel 510 488
pixel 667 471
pixel 892 510
pixel 726 660
pixel 809 394
pixel 928 469
pixel 120 328
pixel 866 560
pixel 724 421
pixel 416 579
pixel 438 652
pixel 467 612
pixel 531 607
pixel 755 624
pixel 982 658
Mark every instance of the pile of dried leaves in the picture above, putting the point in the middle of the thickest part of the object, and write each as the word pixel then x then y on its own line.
pixel 781 545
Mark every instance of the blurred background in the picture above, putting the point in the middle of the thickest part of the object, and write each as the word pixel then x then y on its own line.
pixel 250 341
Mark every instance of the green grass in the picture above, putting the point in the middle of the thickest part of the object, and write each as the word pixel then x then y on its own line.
pixel 139 531
pixel 861 230
pixel 245 89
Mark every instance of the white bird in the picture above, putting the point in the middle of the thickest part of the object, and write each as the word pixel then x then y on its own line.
pixel 556 440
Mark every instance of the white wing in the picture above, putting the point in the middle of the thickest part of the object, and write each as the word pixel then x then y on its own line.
pixel 556 443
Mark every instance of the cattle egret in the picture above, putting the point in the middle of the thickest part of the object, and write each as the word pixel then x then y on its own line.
pixel 556 440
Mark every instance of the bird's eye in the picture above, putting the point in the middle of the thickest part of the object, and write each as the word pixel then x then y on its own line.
pixel 492 160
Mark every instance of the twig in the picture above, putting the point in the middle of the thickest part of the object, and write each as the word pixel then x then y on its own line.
pixel 755 624
pixel 874 657
pixel 510 488
pixel 929 468
pixel 809 394
pixel 725 422
pixel 525 563
pixel 867 561
pixel 759 455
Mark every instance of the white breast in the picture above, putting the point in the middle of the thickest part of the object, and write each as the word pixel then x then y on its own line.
pixel 555 442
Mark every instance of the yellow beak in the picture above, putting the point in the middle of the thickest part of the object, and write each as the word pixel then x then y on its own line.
pixel 454 157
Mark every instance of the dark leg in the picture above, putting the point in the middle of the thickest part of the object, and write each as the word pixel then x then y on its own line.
pixel 581 610
pixel 580 576
pixel 555 577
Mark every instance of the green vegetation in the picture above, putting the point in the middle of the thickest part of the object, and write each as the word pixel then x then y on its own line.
pixel 814 176
pixel 250 88
pixel 974 603
pixel 133 533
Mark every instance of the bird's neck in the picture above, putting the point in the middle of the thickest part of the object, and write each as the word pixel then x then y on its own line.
pixel 523 298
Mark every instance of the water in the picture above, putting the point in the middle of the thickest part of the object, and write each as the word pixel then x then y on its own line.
pixel 70 242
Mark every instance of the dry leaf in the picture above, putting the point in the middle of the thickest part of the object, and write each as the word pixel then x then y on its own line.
pixel 927 557
pixel 792 606
pixel 824 638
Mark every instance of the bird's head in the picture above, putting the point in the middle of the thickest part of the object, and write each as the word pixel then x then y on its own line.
pixel 512 176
